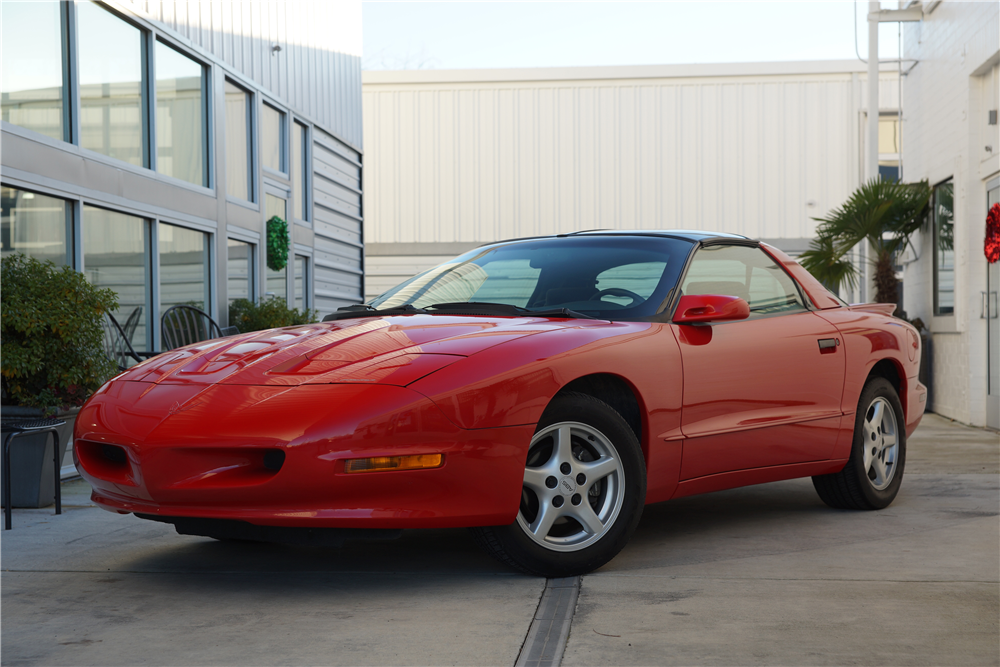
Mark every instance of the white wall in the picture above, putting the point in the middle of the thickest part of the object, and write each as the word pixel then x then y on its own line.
pixel 945 103
pixel 481 155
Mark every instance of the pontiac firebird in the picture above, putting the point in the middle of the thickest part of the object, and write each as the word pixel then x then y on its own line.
pixel 538 391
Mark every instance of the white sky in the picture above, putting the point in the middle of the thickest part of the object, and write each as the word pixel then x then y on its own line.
pixel 472 35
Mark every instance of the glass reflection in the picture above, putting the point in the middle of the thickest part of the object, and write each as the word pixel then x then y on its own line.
pixel 110 84
pixel 239 270
pixel 271 138
pixel 237 142
pixel 32 66
pixel 944 249
pixel 277 281
pixel 114 256
pixel 183 267
pixel 300 172
pixel 300 282
pixel 180 116
pixel 34 225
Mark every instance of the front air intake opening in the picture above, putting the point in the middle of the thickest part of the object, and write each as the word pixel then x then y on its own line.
pixel 114 455
pixel 274 459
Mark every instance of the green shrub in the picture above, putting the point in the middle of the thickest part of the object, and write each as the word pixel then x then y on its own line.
pixel 53 338
pixel 269 314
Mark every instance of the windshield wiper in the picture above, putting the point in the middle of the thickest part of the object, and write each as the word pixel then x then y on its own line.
pixel 489 308
pixel 364 310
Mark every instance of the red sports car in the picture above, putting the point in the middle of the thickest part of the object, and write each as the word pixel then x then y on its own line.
pixel 540 391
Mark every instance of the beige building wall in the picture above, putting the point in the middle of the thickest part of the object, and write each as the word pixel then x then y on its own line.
pixel 459 158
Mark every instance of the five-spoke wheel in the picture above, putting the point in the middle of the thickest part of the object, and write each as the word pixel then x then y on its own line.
pixel 872 476
pixel 583 492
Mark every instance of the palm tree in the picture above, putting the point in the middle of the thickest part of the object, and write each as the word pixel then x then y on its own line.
pixel 883 213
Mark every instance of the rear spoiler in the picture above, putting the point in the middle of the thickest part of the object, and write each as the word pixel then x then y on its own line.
pixel 883 308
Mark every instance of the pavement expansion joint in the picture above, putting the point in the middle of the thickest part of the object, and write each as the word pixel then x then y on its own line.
pixel 549 631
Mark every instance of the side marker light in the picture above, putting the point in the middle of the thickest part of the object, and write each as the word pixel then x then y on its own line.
pixel 385 463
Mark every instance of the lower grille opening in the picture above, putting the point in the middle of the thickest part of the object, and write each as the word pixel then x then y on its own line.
pixel 274 459
pixel 114 454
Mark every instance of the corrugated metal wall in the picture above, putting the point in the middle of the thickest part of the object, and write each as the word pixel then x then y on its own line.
pixel 317 71
pixel 752 149
pixel 338 250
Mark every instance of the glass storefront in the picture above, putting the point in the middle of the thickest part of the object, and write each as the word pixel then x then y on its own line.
pixel 114 256
pixel 180 116
pixel 32 66
pixel 35 225
pixel 110 84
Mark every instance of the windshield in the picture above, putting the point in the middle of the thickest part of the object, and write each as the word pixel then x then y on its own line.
pixel 610 277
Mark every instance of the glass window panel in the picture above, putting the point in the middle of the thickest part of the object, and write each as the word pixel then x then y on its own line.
pixel 888 134
pixel 34 225
pixel 277 284
pixel 239 270
pixel 747 273
pixel 238 171
pixel 272 138
pixel 277 281
pixel 300 169
pixel 114 255
pixel 180 116
pixel 276 206
pixel 300 282
pixel 183 267
pixel 944 249
pixel 110 84
pixel 32 70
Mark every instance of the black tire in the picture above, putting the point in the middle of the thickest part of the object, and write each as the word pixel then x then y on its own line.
pixel 871 478
pixel 598 442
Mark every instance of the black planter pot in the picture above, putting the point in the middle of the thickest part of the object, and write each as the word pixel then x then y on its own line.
pixel 31 458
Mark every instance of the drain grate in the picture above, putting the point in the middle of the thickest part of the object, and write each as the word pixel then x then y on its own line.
pixel 549 630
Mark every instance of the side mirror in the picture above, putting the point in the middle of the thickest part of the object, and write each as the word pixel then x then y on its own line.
pixel 710 308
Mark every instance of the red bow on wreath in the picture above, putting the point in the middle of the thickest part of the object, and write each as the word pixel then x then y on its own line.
pixel 991 246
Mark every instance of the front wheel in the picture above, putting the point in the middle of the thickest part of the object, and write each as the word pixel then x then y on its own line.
pixel 583 492
pixel 871 478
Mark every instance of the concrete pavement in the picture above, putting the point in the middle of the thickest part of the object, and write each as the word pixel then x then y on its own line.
pixel 762 575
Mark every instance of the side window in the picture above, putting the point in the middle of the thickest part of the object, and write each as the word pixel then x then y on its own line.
pixel 747 273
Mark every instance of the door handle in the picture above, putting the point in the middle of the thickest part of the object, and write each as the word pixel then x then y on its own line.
pixel 828 345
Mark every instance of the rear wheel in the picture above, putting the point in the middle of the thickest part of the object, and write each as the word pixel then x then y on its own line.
pixel 583 492
pixel 872 476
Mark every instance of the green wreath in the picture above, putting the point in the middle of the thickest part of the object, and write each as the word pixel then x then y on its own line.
pixel 277 243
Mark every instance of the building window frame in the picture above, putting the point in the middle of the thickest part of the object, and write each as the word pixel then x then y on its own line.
pixel 301 173
pixel 283 132
pixel 207 154
pixel 253 188
pixel 938 199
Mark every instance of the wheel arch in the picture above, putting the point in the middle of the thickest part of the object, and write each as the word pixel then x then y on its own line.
pixel 617 392
pixel 889 369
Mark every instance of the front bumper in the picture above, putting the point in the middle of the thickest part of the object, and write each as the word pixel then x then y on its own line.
pixel 274 456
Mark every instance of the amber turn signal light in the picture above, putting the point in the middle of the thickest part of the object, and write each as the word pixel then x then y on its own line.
pixel 382 463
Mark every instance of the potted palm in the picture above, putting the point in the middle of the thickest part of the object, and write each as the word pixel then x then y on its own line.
pixel 53 360
pixel 883 214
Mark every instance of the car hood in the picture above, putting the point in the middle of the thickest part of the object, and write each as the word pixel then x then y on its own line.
pixel 385 350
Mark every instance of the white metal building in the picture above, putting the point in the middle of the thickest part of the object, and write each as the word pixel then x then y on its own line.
pixel 455 159
pixel 146 143
pixel 952 140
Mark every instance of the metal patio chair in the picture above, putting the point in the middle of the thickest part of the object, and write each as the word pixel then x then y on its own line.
pixel 118 340
pixel 183 325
